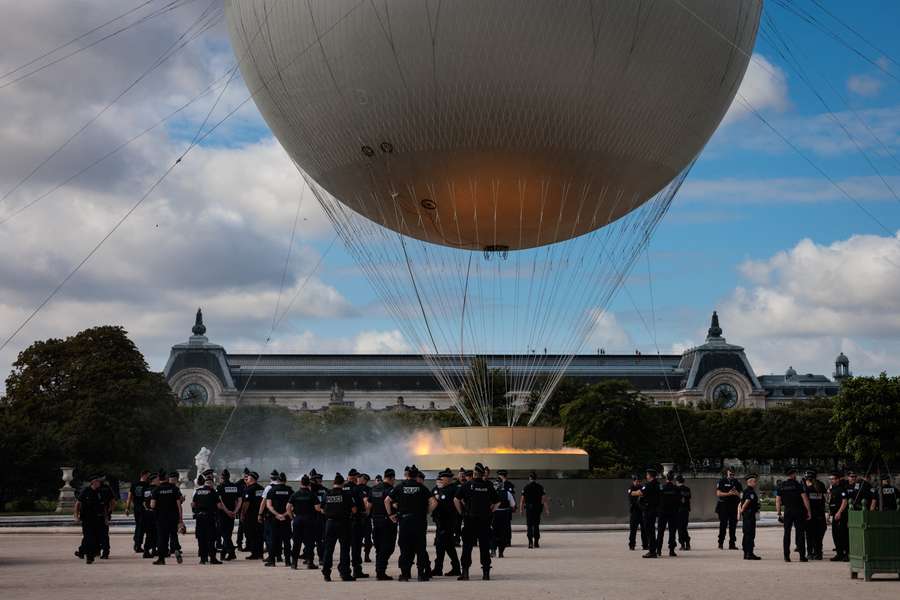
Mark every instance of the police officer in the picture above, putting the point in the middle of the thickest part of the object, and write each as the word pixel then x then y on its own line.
pixel 445 518
pixel 648 500
pixel 888 494
pixel 533 503
pixel 206 505
pixel 265 517
pixel 301 509
pixel 817 525
pixel 241 484
pixel 792 497
pixel 250 516
pixel 315 484
pixel 90 511
pixel 174 542
pixel 408 505
pixel 859 491
pixel 280 521
pixel 502 524
pixel 728 494
pixel 635 515
pixel 230 494
pixel 166 502
pixel 338 506
pixel 148 515
pixel 669 501
pixel 109 502
pixel 135 503
pixel 747 512
pixel 361 501
pixel 384 529
pixel 476 501
pixel 838 505
pixel 684 513
pixel 363 481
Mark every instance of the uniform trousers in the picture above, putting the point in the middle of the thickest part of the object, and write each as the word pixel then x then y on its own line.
pixel 727 520
pixel 90 535
pixel 444 544
pixel 533 522
pixel 240 534
pixel 253 534
pixel 840 533
pixel 748 540
pixel 104 536
pixel 357 532
pixel 267 532
pixel 794 519
pixel 502 528
pixel 302 539
pixel 476 530
pixel 148 519
pixel 138 529
pixel 649 519
pixel 666 521
pixel 337 530
pixel 205 530
pixel 367 534
pixel 384 536
pixel 413 543
pixel 281 539
pixel 815 534
pixel 682 520
pixel 226 528
pixel 166 534
pixel 318 533
pixel 636 522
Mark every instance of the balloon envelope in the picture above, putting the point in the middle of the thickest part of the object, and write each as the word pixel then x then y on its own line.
pixel 500 124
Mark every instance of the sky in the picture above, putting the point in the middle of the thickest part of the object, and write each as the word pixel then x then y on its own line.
pixel 792 236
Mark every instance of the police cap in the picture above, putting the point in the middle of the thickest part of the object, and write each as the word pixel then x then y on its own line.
pixel 792 471
pixel 365 476
pixel 469 472
pixel 253 475
pixel 479 468
pixel 274 474
pixel 304 480
pixel 651 471
pixel 313 474
pixel 226 473
pixel 838 474
pixel 153 476
pixel 246 471
pixel 95 477
pixel 679 478
pixel 462 469
pixel 353 472
pixel 532 475
pixel 885 477
pixel 282 478
pixel 446 473
pixel 208 472
pixel 751 476
pixel 338 479
pixel 503 472
pixel 173 474
pixel 389 473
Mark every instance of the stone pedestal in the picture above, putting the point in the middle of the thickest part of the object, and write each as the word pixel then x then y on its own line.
pixel 184 484
pixel 666 467
pixel 66 502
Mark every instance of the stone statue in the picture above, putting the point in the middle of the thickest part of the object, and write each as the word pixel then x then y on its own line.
pixel 199 328
pixel 202 459
pixel 337 394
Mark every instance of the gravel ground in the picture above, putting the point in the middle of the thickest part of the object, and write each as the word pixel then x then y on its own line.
pixel 569 565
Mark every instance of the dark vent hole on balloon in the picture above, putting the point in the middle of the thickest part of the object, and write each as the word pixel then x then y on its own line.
pixel 429 204
pixel 387 147
pixel 368 151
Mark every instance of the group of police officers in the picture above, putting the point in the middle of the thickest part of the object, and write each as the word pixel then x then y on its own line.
pixel 298 527
pixel 805 507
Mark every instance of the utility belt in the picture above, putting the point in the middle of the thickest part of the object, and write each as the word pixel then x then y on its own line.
pixel 203 513
pixel 380 517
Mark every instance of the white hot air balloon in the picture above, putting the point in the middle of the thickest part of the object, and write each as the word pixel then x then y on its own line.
pixel 494 166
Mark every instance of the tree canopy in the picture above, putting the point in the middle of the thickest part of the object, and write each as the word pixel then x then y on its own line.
pixel 867 414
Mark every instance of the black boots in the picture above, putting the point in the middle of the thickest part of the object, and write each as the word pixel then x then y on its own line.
pixel 486 574
pixel 464 576
pixel 751 556
pixel 383 577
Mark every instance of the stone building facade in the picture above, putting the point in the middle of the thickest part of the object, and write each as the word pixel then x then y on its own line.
pixel 714 374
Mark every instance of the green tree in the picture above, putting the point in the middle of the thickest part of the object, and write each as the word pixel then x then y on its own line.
pixel 88 400
pixel 867 414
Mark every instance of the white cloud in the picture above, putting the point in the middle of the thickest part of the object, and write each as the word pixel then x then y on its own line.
pixel 380 342
pixel 806 304
pixel 764 87
pixel 864 85
pixel 609 334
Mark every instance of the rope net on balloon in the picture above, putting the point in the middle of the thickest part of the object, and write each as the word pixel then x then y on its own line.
pixel 498 327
